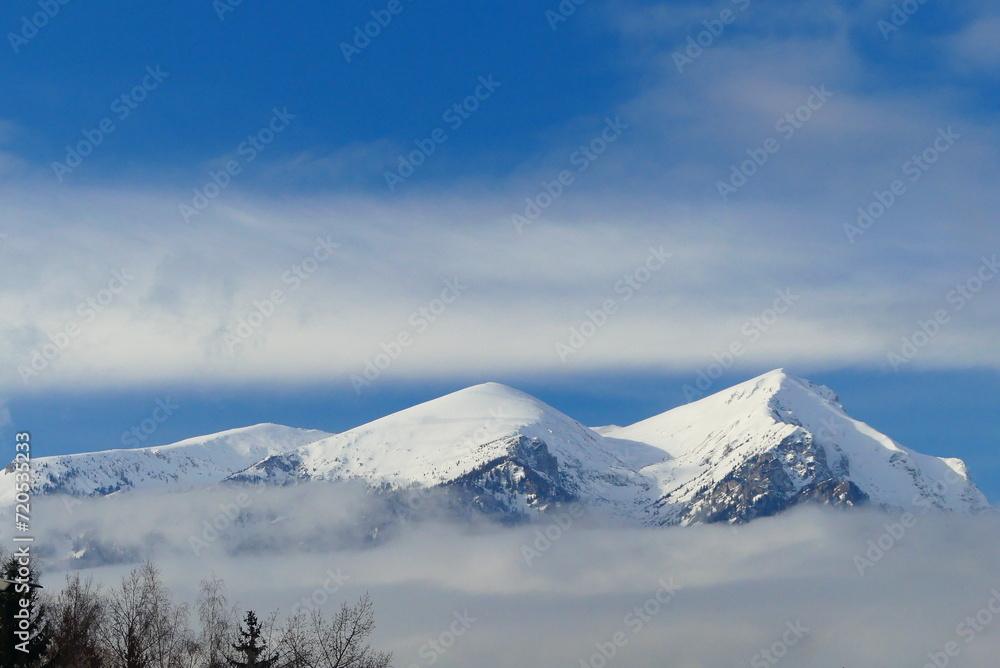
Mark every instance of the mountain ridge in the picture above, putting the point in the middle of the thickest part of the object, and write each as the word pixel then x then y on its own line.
pixel 751 450
pixel 192 462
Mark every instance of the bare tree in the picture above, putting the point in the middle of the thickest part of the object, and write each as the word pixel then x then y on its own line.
pixel 217 619
pixel 312 641
pixel 137 625
pixel 142 628
pixel 125 628
pixel 295 644
pixel 170 638
pixel 76 615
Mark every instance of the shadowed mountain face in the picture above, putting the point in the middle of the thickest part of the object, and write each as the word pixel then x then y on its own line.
pixel 750 451
pixel 775 441
pixel 794 471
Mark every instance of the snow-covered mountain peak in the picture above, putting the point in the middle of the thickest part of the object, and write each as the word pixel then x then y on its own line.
pixel 442 439
pixel 448 426
pixel 755 404
pixel 259 440
pixel 796 435
pixel 503 408
pixel 775 384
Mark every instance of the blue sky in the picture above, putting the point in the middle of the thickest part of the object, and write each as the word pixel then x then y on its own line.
pixel 620 135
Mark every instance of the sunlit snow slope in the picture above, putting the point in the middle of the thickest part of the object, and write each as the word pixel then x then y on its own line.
pixel 191 463
pixel 462 433
pixel 788 434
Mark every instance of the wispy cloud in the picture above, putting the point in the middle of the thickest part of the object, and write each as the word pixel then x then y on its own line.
pixel 658 184
pixel 736 592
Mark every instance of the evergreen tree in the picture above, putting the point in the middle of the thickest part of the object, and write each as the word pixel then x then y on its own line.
pixel 251 646
pixel 24 624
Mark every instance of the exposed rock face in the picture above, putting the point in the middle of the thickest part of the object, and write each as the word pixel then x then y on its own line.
pixel 273 471
pixel 796 471
pixel 844 494
pixel 527 477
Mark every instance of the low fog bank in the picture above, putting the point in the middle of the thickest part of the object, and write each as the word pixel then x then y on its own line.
pixel 813 587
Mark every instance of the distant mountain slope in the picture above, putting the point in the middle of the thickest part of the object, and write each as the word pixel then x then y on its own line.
pixel 194 462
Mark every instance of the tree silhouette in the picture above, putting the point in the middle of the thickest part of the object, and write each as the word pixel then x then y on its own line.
pixel 76 615
pixel 140 626
pixel 252 645
pixel 21 612
pixel 216 619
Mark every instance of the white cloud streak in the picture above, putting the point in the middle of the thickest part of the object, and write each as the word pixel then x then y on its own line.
pixel 655 186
